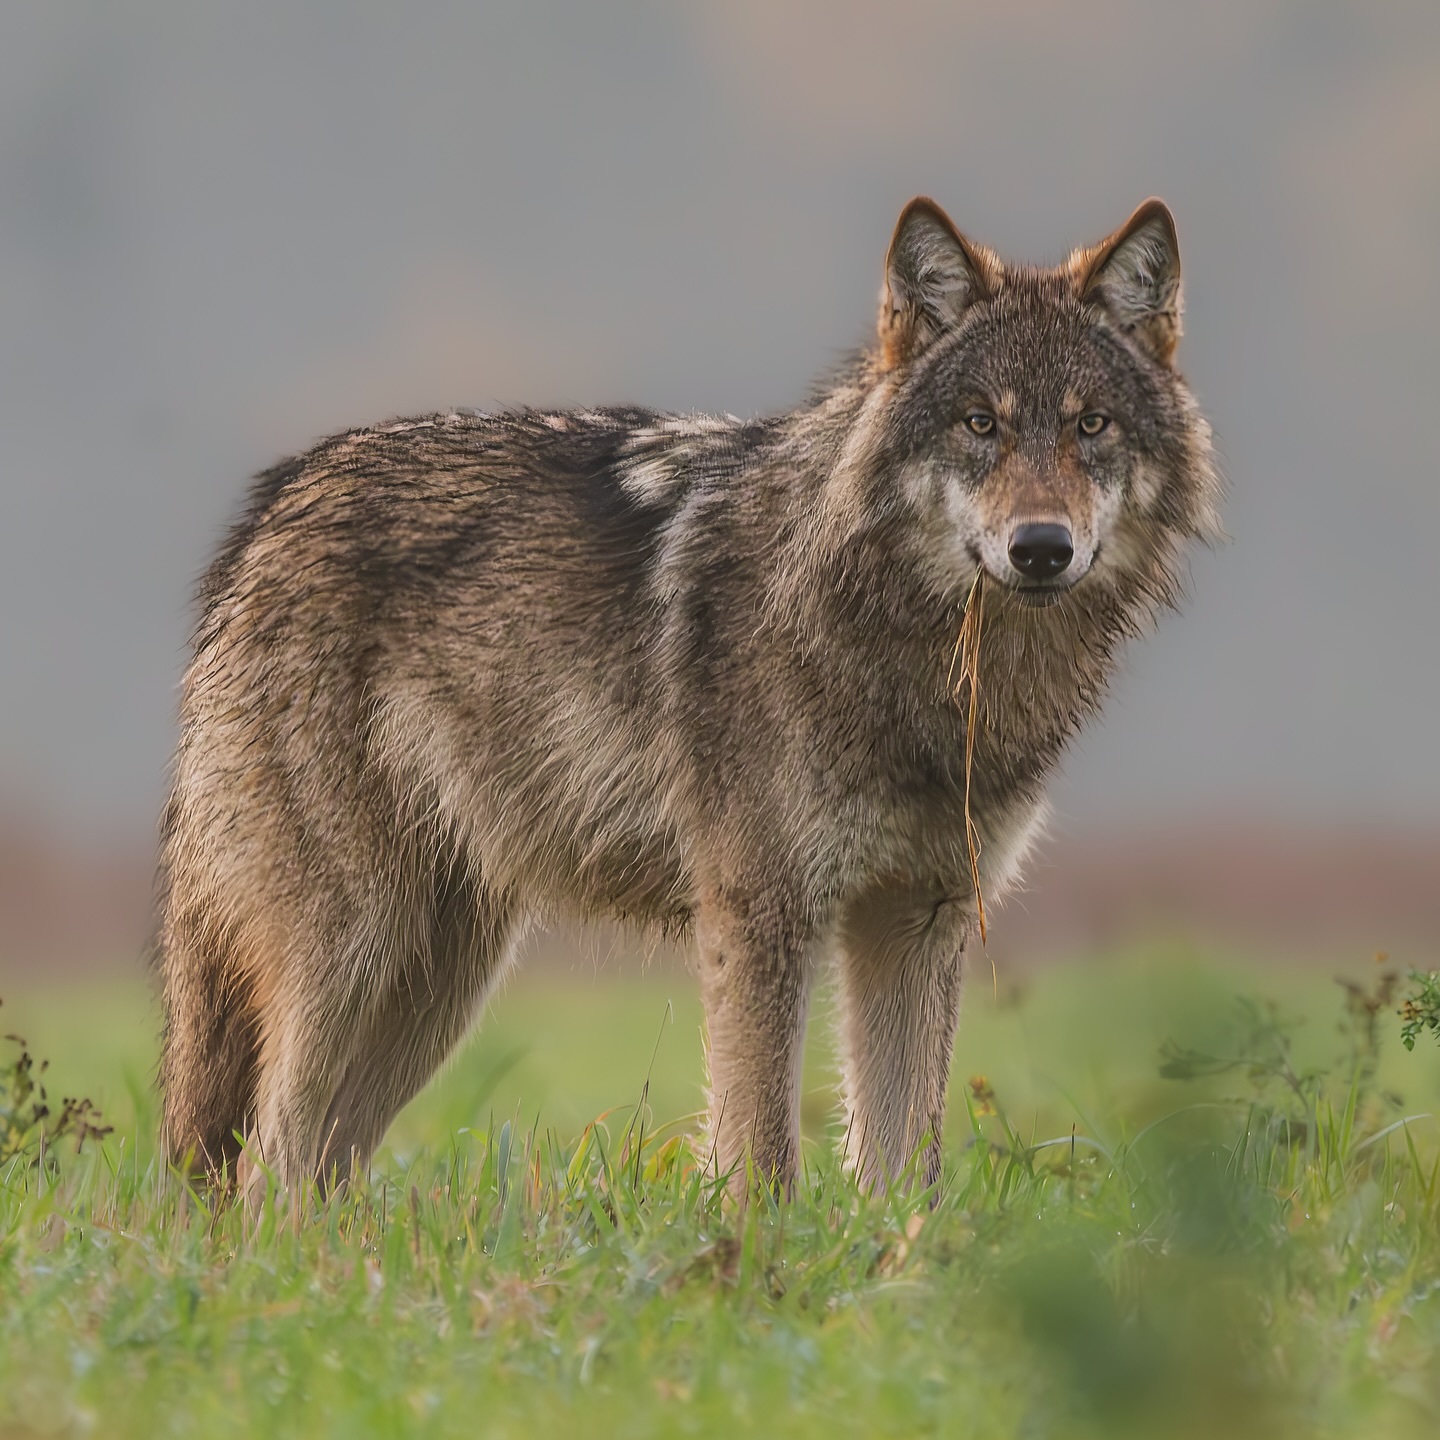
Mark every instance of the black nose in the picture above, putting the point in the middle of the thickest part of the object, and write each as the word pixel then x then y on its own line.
pixel 1041 552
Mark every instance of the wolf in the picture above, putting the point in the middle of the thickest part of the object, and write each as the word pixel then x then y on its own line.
pixel 691 673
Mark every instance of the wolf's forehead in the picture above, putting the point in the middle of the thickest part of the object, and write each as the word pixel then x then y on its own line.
pixel 1033 351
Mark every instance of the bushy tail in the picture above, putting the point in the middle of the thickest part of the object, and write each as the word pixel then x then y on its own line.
pixel 212 1038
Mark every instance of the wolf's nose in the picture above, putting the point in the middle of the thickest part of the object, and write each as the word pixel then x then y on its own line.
pixel 1040 552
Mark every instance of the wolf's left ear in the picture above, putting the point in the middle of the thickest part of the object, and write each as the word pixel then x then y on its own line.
pixel 932 275
pixel 1135 276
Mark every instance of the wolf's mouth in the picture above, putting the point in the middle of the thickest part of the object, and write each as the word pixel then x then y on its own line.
pixel 1041 594
pixel 1040 597
pixel 1035 594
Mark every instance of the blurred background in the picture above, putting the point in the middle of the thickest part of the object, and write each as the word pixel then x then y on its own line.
pixel 227 229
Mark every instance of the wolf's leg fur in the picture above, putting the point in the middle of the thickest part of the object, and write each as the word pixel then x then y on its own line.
pixel 310 1026
pixel 902 954
pixel 418 1021
pixel 211 1050
pixel 756 965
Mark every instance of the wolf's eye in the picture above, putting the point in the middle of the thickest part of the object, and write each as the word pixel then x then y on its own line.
pixel 981 423
pixel 1093 423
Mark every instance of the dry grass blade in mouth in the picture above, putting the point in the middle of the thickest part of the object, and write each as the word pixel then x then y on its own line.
pixel 967 657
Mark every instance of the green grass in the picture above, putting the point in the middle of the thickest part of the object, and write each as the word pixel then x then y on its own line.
pixel 1228 1252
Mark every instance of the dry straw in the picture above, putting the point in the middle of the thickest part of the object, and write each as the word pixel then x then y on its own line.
pixel 967 660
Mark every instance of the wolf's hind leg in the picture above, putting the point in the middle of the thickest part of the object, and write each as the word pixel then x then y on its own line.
pixel 423 1014
pixel 211 1049
pixel 310 1030
pixel 902 954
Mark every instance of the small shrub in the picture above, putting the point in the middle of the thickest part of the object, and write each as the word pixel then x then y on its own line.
pixel 29 1128
pixel 1420 1007
pixel 1260 1049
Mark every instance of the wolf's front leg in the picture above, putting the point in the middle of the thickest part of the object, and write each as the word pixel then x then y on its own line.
pixel 756 963
pixel 902 953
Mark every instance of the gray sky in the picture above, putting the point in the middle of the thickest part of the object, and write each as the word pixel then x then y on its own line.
pixel 227 229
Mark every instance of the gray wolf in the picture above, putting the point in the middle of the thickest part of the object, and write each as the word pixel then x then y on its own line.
pixel 688 672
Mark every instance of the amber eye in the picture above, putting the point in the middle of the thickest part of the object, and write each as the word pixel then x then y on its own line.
pixel 1093 423
pixel 981 423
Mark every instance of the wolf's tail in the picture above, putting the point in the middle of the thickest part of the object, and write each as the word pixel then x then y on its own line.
pixel 212 1043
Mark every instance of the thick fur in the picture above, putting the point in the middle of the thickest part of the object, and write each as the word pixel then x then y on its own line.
pixel 683 671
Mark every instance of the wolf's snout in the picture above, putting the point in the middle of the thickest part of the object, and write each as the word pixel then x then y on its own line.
pixel 1041 551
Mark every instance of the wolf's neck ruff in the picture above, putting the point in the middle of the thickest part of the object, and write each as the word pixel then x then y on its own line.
pixel 794 686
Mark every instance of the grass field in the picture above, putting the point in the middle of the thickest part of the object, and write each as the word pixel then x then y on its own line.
pixel 1170 1208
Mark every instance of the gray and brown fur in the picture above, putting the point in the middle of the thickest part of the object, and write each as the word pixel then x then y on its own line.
pixel 686 672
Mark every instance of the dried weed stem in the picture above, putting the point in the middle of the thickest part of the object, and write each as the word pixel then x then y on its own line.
pixel 967 655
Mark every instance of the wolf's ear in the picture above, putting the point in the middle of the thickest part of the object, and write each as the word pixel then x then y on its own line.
pixel 1135 276
pixel 932 274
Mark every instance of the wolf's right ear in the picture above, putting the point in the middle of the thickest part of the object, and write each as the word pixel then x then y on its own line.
pixel 932 275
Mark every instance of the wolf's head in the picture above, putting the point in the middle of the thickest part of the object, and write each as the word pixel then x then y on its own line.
pixel 1034 418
